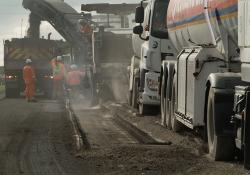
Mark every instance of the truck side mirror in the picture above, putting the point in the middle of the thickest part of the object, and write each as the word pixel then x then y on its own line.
pixel 139 14
pixel 138 30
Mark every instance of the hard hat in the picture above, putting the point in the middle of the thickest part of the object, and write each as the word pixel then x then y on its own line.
pixel 73 66
pixel 59 58
pixel 27 61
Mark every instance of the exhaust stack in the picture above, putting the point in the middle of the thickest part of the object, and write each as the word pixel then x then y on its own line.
pixel 34 26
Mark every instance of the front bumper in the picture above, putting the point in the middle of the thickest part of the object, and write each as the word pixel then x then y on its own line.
pixel 149 96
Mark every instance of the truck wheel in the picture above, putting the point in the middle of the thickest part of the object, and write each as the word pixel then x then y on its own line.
pixel 165 105
pixel 144 109
pixel 168 115
pixel 165 108
pixel 130 93
pixel 220 147
pixel 135 93
pixel 163 102
pixel 175 124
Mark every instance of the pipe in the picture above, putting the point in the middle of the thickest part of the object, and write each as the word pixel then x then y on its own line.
pixel 49 35
pixel 206 12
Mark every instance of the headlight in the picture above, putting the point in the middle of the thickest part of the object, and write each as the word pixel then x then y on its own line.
pixel 9 77
pixel 152 84
pixel 48 77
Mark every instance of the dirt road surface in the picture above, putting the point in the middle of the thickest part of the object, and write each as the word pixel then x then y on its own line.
pixel 37 139
pixel 112 152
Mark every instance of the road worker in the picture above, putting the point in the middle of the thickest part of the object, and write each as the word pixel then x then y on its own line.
pixel 86 29
pixel 59 75
pixel 74 79
pixel 85 26
pixel 29 78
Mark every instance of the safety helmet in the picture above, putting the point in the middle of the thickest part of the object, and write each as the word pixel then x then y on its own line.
pixel 73 66
pixel 59 58
pixel 28 61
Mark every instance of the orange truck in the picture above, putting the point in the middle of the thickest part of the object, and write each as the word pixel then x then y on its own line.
pixel 41 51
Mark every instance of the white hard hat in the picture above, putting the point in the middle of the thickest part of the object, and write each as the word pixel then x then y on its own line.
pixel 59 58
pixel 73 66
pixel 27 61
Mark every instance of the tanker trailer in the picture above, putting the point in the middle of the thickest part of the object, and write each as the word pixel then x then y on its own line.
pixel 208 89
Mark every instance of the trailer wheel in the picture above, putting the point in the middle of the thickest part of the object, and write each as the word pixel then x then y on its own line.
pixel 175 124
pixel 130 93
pixel 219 147
pixel 165 105
pixel 135 93
pixel 144 109
pixel 163 101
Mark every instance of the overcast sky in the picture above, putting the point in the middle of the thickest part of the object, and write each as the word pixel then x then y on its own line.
pixel 14 19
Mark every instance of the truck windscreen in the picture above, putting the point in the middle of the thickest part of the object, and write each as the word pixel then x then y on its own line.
pixel 159 26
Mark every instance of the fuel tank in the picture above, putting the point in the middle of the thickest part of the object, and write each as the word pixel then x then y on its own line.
pixel 190 22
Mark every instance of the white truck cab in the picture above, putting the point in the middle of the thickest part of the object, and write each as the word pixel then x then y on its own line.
pixel 152 37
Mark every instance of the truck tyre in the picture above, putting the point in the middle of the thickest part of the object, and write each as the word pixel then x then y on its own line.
pixel 144 109
pixel 135 93
pixel 219 147
pixel 175 124
pixel 163 102
pixel 130 93
pixel 165 107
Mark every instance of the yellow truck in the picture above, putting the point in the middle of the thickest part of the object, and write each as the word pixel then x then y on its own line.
pixel 41 51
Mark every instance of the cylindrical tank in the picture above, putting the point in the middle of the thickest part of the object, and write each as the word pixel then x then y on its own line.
pixel 188 24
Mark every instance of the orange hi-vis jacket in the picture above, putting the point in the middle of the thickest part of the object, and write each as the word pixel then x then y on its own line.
pixel 86 29
pixel 58 71
pixel 74 77
pixel 28 75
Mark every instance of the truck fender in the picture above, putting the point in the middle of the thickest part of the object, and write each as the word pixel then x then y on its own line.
pixel 222 86
pixel 224 80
